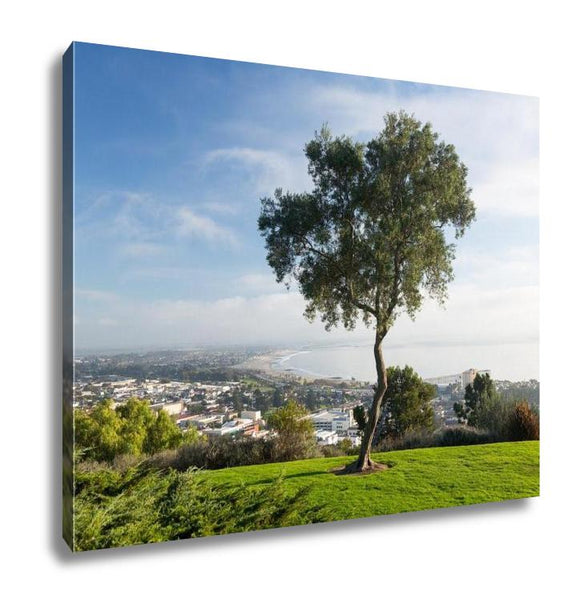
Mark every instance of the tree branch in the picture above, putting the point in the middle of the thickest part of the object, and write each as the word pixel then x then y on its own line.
pixel 307 244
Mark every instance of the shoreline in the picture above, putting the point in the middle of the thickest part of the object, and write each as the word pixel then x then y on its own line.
pixel 271 364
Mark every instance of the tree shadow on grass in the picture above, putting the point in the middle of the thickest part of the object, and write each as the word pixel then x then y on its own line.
pixel 289 476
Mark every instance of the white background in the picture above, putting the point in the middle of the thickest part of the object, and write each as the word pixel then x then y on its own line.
pixel 512 557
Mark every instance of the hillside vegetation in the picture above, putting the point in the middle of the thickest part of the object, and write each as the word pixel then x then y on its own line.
pixel 140 505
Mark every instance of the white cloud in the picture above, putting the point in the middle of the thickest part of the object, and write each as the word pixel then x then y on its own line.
pixel 496 135
pixel 510 268
pixel 139 249
pixel 258 283
pixel 510 189
pixel 472 317
pixel 220 208
pixel 268 169
pixel 189 223
pixel 131 216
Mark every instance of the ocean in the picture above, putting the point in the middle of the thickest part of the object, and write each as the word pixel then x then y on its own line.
pixel 506 361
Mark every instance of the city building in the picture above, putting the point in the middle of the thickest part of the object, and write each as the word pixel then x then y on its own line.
pixel 234 427
pixel 332 420
pixel 326 437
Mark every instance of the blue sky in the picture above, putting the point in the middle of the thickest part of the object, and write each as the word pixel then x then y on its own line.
pixel 174 152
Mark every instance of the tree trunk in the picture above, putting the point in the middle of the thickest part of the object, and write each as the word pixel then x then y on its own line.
pixel 364 461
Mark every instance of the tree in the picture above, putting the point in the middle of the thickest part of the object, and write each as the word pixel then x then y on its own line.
pixel 407 402
pixel 370 239
pixel 481 402
pixel 311 400
pixel 163 433
pixel 360 417
pixel 237 401
pixel 278 397
pixel 295 430
pixel 131 428
pixel 260 401
pixel 485 408
pixel 461 411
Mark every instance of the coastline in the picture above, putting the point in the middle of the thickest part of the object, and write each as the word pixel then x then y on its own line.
pixel 272 364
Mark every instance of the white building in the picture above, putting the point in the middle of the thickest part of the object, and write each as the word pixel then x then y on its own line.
pixel 175 407
pixel 326 437
pixel 468 376
pixel 255 415
pixel 332 420
pixel 353 434
pixel 231 428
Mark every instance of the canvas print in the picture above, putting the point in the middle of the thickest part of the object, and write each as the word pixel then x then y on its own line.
pixel 291 297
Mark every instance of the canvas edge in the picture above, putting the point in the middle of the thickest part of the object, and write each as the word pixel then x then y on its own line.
pixel 67 294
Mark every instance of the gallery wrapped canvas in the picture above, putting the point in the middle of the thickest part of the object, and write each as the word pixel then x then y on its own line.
pixel 290 297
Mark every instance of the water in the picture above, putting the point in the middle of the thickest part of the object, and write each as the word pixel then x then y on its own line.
pixel 506 361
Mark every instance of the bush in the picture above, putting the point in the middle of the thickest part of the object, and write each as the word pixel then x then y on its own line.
pixel 144 505
pixel 332 450
pixel 523 424
pixel 226 453
pixel 295 432
pixel 132 428
pixel 411 439
pixel 448 436
pixel 462 436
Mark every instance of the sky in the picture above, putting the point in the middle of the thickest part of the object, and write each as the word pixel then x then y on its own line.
pixel 172 156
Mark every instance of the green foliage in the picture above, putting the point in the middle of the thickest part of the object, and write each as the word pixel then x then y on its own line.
pixel 360 417
pixel 370 240
pixel 461 411
pixel 143 506
pixel 129 429
pixel 522 391
pixel 237 400
pixel 500 415
pixel 311 400
pixel 347 447
pixel 407 402
pixel 162 434
pixel 371 234
pixel 480 392
pixel 483 406
pixel 462 435
pixel 278 397
pixel 261 401
pixel 295 431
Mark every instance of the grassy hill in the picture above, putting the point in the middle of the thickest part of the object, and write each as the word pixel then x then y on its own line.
pixel 144 505
pixel 416 480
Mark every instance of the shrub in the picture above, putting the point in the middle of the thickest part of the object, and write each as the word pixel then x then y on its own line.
pixel 295 432
pixel 152 506
pixel 225 453
pixel 462 436
pixel 332 450
pixel 523 424
pixel 411 439
pixel 447 436
pixel 132 428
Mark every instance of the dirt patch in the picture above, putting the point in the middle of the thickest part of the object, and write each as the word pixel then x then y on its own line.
pixel 350 471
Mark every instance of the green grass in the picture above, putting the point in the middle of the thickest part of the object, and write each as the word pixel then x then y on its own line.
pixel 417 479
pixel 119 508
